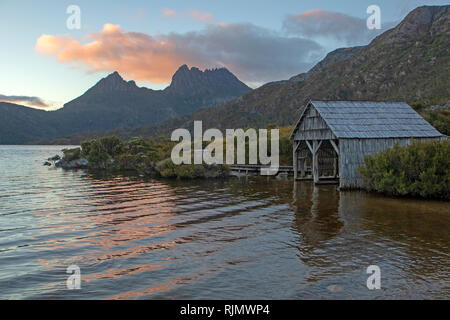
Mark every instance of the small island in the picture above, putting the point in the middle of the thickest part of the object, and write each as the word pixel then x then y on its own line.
pixel 146 158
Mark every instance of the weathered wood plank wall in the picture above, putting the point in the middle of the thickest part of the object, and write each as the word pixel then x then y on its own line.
pixel 313 127
pixel 352 152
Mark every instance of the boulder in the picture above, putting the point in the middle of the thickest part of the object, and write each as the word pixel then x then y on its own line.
pixel 54 158
pixel 58 164
pixel 81 163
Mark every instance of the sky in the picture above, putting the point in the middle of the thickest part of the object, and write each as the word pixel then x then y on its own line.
pixel 44 64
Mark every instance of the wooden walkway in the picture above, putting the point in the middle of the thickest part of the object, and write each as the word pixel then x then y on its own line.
pixel 255 170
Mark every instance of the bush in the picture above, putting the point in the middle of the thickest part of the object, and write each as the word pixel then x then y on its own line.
pixel 112 145
pixel 86 147
pixel 97 155
pixel 150 158
pixel 71 154
pixel 285 151
pixel 167 169
pixel 137 145
pixel 440 120
pixel 418 170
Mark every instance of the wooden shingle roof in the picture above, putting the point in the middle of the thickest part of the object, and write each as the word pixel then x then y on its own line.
pixel 365 119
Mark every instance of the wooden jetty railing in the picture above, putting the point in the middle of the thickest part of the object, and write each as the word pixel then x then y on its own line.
pixel 256 170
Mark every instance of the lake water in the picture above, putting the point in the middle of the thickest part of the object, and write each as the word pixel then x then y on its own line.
pixel 247 238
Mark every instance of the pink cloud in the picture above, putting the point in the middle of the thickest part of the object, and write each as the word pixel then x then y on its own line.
pixel 201 17
pixel 169 12
pixel 312 13
pixel 253 53
pixel 196 15
pixel 139 56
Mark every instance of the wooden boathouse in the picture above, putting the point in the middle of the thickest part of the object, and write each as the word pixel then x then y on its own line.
pixel 331 138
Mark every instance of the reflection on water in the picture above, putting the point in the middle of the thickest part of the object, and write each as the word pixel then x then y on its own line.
pixel 249 238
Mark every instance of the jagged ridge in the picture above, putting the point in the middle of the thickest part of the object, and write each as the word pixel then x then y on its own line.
pixel 113 103
pixel 410 62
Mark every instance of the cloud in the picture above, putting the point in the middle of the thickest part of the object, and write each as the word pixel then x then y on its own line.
pixel 169 13
pixel 344 29
pixel 201 17
pixel 254 54
pixel 25 100
pixel 196 15
pixel 136 55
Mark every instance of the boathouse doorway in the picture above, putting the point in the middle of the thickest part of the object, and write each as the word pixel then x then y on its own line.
pixel 317 160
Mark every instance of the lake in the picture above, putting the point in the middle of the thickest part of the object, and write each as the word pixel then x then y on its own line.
pixel 238 238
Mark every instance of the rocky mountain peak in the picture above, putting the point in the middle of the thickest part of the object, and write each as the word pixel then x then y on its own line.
pixel 187 81
pixel 425 15
pixel 113 82
pixel 422 22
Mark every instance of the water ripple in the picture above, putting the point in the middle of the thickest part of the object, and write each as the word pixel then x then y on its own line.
pixel 250 238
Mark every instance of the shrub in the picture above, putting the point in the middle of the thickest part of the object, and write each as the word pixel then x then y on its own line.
pixel 112 145
pixel 189 171
pixel 285 151
pixel 168 169
pixel 86 147
pixel 440 120
pixel 418 170
pixel 97 155
pixel 71 154
pixel 137 145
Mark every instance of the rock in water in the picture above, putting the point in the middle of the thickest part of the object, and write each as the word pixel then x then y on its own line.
pixel 54 158
pixel 81 163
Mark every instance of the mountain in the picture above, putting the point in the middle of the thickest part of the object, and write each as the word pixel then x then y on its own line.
pixel 410 62
pixel 341 54
pixel 114 102
pixel 104 105
pixel 215 82
pixel 12 120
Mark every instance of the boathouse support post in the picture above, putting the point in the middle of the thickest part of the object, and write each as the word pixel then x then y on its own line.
pixel 295 159
pixel 336 158
pixel 303 168
pixel 315 162
pixel 335 167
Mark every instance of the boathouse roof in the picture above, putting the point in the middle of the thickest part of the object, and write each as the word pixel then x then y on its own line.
pixel 366 119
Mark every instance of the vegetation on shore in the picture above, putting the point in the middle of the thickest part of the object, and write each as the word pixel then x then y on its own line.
pixel 152 157
pixel 417 170
pixel 438 118
pixel 146 157
pixel 436 112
